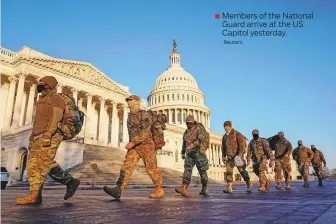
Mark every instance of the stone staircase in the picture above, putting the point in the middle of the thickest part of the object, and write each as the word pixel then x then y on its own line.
pixel 109 161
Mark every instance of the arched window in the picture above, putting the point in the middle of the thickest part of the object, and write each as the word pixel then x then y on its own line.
pixel 167 97
pixel 163 98
pixel 172 97
pixel 176 156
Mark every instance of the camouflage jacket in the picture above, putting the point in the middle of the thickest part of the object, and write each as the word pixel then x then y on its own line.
pixel 283 149
pixel 139 127
pixel 302 154
pixel 193 137
pixel 233 144
pixel 318 158
pixel 258 150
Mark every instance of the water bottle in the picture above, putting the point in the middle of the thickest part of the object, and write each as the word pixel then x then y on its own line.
pixel 238 161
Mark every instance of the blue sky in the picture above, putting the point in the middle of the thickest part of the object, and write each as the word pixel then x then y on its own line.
pixel 268 83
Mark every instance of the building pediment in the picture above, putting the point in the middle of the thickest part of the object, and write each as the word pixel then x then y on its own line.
pixel 82 71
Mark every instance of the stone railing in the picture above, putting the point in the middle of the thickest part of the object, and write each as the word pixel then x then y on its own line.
pixel 6 52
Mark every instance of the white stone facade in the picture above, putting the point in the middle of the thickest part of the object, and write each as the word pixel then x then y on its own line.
pixel 103 101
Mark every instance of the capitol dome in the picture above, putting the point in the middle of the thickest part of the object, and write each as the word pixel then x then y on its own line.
pixel 176 94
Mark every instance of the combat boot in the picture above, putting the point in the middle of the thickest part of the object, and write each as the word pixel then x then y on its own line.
pixel 278 186
pixel 229 188
pixel 113 192
pixel 288 187
pixel 262 188
pixel 158 193
pixel 249 186
pixel 268 185
pixel 183 189
pixel 306 184
pixel 320 184
pixel 204 190
pixel 34 198
pixel 72 186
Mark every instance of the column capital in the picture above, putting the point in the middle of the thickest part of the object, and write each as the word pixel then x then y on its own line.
pixel 5 86
pixel 12 79
pixel 74 90
pixel 125 106
pixel 22 75
pixel 102 99
pixel 32 86
pixel 89 95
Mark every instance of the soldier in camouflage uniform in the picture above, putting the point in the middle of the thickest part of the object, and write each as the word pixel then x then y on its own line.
pixel 283 150
pixel 43 144
pixel 193 154
pixel 234 144
pixel 259 150
pixel 317 164
pixel 141 145
pixel 303 155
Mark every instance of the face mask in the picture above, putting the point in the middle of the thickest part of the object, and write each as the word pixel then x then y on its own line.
pixel 299 145
pixel 40 88
pixel 228 129
pixel 281 137
pixel 255 136
pixel 313 149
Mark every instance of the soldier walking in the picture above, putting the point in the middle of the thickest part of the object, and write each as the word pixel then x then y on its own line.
pixel 195 144
pixel 43 143
pixel 316 162
pixel 283 150
pixel 234 144
pixel 303 155
pixel 141 145
pixel 259 151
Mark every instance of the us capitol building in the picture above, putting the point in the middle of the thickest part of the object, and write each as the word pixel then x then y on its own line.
pixel 175 94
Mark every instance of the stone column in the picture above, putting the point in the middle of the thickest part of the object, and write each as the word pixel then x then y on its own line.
pixel 88 117
pixel 75 94
pixel 80 106
pixel 18 99
pixel 31 102
pixel 101 138
pixel 60 87
pixel 125 129
pixel 4 97
pixel 176 116
pixel 23 108
pixel 115 126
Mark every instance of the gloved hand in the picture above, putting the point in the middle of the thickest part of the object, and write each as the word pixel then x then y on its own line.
pixel 129 145
pixel 270 164
pixel 46 139
pixel 183 156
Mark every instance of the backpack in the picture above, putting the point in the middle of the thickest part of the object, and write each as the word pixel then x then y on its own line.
pixel 206 138
pixel 157 128
pixel 73 118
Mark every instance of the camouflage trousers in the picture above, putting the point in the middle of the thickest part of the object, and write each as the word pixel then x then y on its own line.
pixel 304 171
pixel 259 169
pixel 41 162
pixel 131 162
pixel 282 165
pixel 318 171
pixel 230 164
pixel 201 161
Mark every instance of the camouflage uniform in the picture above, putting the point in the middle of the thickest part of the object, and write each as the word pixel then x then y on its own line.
pixel 259 151
pixel 303 155
pixel 316 162
pixel 43 145
pixel 139 128
pixel 234 144
pixel 283 150
pixel 191 147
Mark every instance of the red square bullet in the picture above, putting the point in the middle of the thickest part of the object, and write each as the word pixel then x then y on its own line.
pixel 217 16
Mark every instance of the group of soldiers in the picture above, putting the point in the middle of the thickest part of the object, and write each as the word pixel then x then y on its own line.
pixel 145 138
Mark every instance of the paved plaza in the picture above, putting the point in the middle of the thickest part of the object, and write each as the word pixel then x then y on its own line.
pixel 300 205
